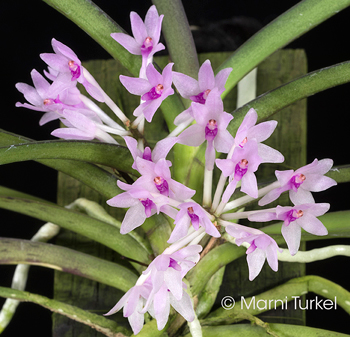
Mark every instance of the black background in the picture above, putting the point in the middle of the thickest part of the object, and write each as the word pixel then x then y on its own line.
pixel 27 28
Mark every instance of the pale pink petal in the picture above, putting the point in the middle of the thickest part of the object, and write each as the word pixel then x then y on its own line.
pixel 312 225
pixel 183 307
pixel 192 136
pixel 134 217
pixel 255 261
pixel 185 85
pixel 262 131
pixel 136 86
pixel 206 79
pixel 249 184
pixel 128 42
pixel 292 235
pixel 138 28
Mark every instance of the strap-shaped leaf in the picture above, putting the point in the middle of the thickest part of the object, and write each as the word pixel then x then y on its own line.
pixel 91 175
pixel 341 174
pixel 111 155
pixel 99 231
pixel 287 27
pixel 277 99
pixel 106 326
pixel 15 251
pixel 95 22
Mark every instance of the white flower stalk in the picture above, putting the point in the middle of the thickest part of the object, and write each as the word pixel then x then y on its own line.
pixel 100 113
pixel 107 99
pixel 19 281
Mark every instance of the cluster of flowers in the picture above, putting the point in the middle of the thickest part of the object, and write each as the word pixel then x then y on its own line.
pixel 161 284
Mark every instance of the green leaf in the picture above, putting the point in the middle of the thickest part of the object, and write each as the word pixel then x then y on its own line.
pixel 93 176
pixel 341 174
pixel 94 229
pixel 211 263
pixel 277 99
pixel 111 155
pixel 287 27
pixel 15 251
pixel 98 322
pixel 281 330
pixel 178 36
pixel 96 23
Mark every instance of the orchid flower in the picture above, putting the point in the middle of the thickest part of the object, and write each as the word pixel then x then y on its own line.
pixel 302 182
pixel 160 150
pixel 142 204
pixel 261 247
pixel 241 167
pixel 248 130
pixel 146 36
pixel 156 178
pixel 191 213
pixel 160 286
pixel 153 90
pixel 64 60
pixel 211 126
pixel 198 91
pixel 294 218
pixel 49 98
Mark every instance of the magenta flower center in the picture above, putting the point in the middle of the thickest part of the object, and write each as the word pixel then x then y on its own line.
pixel 194 218
pixel 297 180
pixel 241 169
pixel 154 93
pixel 74 70
pixel 50 101
pixel 173 264
pixel 148 204
pixel 147 45
pixel 147 154
pixel 201 97
pixel 211 130
pixel 293 215
pixel 162 185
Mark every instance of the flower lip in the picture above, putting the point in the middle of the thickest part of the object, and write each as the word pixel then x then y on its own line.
pixel 74 69
pixel 211 130
pixel 293 215
pixel 201 97
pixel 241 169
pixel 147 45
pixel 297 180
pixel 162 185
